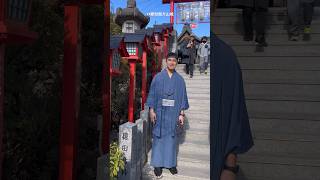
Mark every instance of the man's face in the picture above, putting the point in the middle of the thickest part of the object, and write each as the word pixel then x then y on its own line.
pixel 171 63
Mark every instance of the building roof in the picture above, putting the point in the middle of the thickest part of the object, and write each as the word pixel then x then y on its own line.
pixel 133 37
pixel 187 29
pixel 131 12
pixel 115 42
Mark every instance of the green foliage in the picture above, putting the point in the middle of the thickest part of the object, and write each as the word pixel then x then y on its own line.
pixel 117 160
pixel 114 28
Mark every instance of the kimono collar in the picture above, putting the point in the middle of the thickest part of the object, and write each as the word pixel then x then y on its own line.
pixel 166 71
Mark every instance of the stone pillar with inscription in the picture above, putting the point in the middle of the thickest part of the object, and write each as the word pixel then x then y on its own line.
pixel 128 144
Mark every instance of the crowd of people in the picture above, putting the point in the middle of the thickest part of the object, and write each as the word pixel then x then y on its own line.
pixel 190 52
pixel 300 14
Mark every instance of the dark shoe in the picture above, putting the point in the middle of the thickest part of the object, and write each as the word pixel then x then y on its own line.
pixel 307 30
pixel 248 37
pixel 191 76
pixel 294 38
pixel 158 172
pixel 173 170
pixel 261 41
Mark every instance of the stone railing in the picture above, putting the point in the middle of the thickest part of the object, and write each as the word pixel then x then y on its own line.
pixel 135 142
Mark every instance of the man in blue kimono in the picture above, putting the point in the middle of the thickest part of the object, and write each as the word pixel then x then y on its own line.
pixel 167 100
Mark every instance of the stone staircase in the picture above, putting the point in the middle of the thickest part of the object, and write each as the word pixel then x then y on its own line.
pixel 194 149
pixel 282 87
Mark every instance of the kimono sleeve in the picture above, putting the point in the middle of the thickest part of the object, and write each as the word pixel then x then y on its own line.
pixel 151 100
pixel 184 103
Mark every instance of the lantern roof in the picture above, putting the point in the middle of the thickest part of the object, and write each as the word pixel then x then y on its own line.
pixel 117 42
pixel 131 12
pixel 134 37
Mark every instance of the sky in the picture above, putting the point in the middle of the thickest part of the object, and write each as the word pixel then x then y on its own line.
pixel 148 6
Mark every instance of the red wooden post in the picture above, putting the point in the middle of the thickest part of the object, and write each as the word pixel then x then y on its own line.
pixel 2 54
pixel 71 91
pixel 171 11
pixel 165 46
pixel 144 78
pixel 106 83
pixel 132 65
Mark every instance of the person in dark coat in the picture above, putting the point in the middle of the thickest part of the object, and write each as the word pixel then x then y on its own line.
pixel 249 7
pixel 230 132
pixel 191 51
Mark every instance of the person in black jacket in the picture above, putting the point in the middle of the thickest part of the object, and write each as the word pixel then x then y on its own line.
pixel 249 8
pixel 191 51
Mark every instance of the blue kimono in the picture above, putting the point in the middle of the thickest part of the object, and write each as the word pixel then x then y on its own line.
pixel 164 145
pixel 229 126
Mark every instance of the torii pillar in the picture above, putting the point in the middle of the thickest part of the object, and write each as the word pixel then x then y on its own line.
pixel 71 92
pixel 171 11
pixel 144 78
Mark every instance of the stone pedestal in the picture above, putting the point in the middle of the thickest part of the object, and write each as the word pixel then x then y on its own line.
pixel 103 168
pixel 142 131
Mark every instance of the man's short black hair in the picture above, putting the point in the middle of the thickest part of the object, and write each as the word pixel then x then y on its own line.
pixel 172 55
pixel 204 38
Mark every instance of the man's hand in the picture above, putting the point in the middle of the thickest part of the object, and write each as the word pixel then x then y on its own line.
pixel 181 120
pixel 153 116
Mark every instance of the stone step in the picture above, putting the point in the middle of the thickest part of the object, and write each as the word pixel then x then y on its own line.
pixel 203 96
pixel 198 85
pixel 283 109
pixel 187 159
pixel 283 159
pixel 196 77
pixel 277 51
pixel 292 92
pixel 198 90
pixel 225 29
pixel 236 19
pixel 201 137
pixel 298 127
pixel 281 77
pixel 281 146
pixel 280 63
pixel 271 167
pixel 272 39
pixel 197 115
pixel 196 125
pixel 184 173
pixel 278 16
pixel 287 137
pixel 200 102
pixel 199 82
pixel 192 147
pixel 275 11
